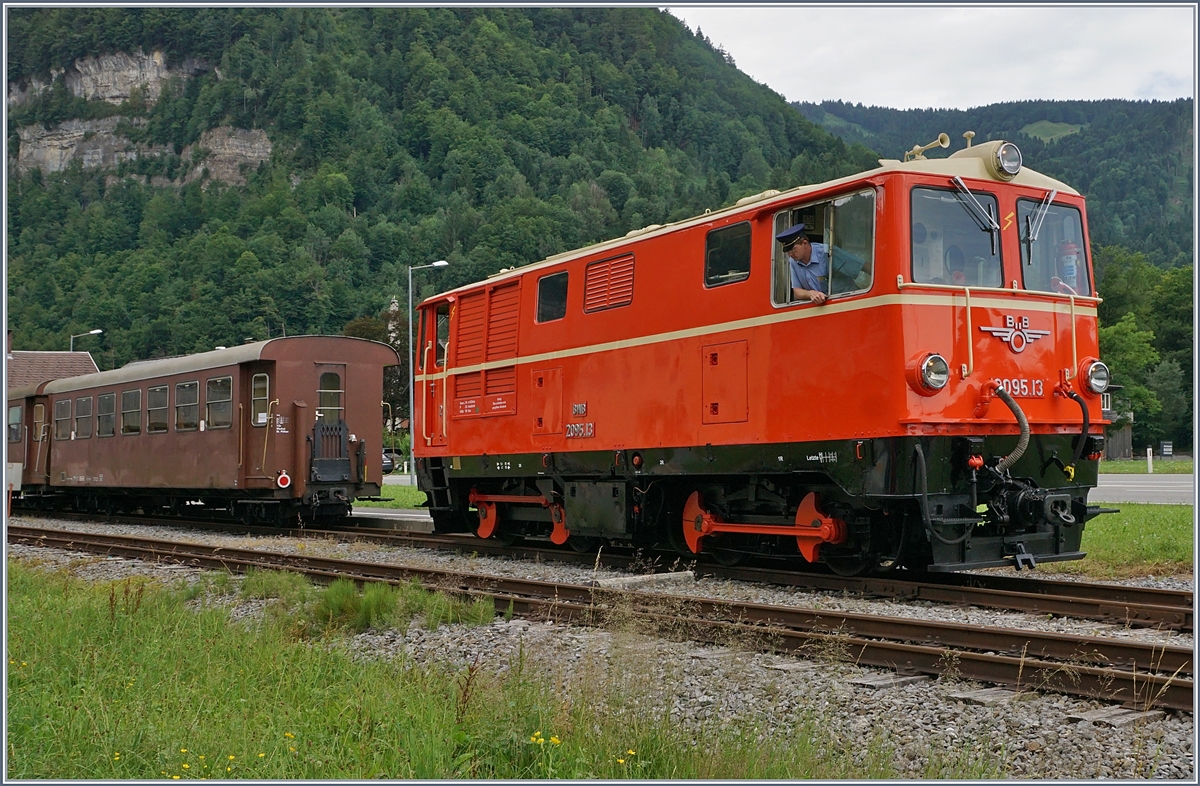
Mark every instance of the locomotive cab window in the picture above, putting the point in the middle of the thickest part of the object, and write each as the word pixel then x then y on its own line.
pixel 83 418
pixel 106 415
pixel 14 423
pixel 727 255
pixel 156 410
pixel 329 398
pixel 260 396
pixel 62 419
pixel 955 238
pixel 187 406
pixel 218 400
pixel 552 297
pixel 841 257
pixel 1053 254
pixel 131 412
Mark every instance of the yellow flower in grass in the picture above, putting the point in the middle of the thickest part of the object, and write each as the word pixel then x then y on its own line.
pixel 231 757
pixel 174 777
pixel 620 761
pixel 556 740
pixel 202 756
pixel 187 766
pixel 261 755
pixel 631 753
pixel 289 735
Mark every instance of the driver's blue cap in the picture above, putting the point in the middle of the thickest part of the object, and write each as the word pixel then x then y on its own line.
pixel 790 235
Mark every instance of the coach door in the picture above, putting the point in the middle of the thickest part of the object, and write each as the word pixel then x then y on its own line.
pixel 257 410
pixel 434 347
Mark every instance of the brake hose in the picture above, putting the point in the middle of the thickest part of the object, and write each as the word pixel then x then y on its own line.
pixel 1023 442
pixel 1086 423
pixel 920 454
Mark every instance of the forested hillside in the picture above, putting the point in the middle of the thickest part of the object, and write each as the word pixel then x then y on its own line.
pixel 296 162
pixel 488 138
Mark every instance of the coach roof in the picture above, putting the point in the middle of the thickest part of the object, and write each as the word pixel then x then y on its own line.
pixel 185 364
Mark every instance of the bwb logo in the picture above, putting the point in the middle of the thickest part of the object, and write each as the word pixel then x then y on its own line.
pixel 1016 333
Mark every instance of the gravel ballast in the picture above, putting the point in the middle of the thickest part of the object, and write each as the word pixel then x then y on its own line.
pixel 1026 735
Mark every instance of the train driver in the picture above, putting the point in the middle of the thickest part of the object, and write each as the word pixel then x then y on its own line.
pixel 809 263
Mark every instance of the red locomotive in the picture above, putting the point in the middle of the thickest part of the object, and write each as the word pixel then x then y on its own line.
pixel 270 432
pixel 929 396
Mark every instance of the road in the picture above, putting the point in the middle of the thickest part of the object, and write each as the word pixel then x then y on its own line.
pixel 1161 489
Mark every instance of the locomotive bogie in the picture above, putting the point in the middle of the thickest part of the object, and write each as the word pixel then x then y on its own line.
pixel 270 432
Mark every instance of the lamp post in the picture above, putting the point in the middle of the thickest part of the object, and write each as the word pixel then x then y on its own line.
pixel 412 372
pixel 95 332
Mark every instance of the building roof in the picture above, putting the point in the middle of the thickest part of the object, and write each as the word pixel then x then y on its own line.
pixel 30 368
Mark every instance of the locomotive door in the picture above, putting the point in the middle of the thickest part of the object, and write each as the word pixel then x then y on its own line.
pixel 257 411
pixel 435 343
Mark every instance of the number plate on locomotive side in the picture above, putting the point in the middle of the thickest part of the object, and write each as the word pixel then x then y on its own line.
pixel 581 430
pixel 1022 387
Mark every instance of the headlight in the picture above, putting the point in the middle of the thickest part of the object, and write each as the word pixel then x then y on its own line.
pixel 1008 157
pixel 935 372
pixel 1097 377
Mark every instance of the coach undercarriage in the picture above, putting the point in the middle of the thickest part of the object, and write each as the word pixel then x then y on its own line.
pixel 321 504
pixel 940 503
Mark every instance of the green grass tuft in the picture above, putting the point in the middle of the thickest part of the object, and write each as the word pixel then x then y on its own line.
pixel 1138 466
pixel 1140 540
pixel 400 497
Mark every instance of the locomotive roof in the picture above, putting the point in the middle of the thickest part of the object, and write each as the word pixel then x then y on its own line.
pixel 965 163
pixel 151 369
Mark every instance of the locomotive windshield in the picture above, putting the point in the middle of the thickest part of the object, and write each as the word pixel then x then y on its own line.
pixel 951 244
pixel 1052 248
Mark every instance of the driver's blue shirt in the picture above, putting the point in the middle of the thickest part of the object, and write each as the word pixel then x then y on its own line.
pixel 815 274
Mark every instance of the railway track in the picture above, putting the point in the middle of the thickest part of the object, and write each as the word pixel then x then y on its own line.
pixel 1134 673
pixel 1109 603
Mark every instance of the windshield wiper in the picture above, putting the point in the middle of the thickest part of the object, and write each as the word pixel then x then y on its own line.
pixel 1033 222
pixel 983 218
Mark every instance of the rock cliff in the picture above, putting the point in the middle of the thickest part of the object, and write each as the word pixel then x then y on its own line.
pixel 224 152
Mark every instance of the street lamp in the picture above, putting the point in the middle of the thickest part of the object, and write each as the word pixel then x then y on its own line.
pixel 412 372
pixel 95 332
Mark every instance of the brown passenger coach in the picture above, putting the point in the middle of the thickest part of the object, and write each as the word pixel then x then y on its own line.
pixel 273 431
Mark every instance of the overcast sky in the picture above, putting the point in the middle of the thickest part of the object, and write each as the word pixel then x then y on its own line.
pixel 957 56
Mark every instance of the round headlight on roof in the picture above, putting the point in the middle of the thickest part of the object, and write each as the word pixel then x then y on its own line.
pixel 1097 377
pixel 1008 158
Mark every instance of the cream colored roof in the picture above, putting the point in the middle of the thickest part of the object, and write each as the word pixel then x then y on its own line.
pixel 958 164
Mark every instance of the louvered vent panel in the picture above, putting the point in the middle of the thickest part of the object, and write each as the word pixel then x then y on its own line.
pixel 608 284
pixel 466 385
pixel 470 329
pixel 502 380
pixel 502 322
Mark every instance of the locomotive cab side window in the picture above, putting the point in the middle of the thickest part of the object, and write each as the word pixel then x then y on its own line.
pixel 329 398
pixel 131 412
pixel 14 423
pixel 156 410
pixel 218 400
pixel 83 418
pixel 1053 254
pixel 727 255
pixel 842 231
pixel 106 415
pixel 187 406
pixel 62 419
pixel 260 395
pixel 955 238
pixel 552 297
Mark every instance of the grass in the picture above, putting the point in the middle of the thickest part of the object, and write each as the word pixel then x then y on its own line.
pixel 1138 466
pixel 1140 540
pixel 128 680
pixel 403 497
pixel 1048 131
